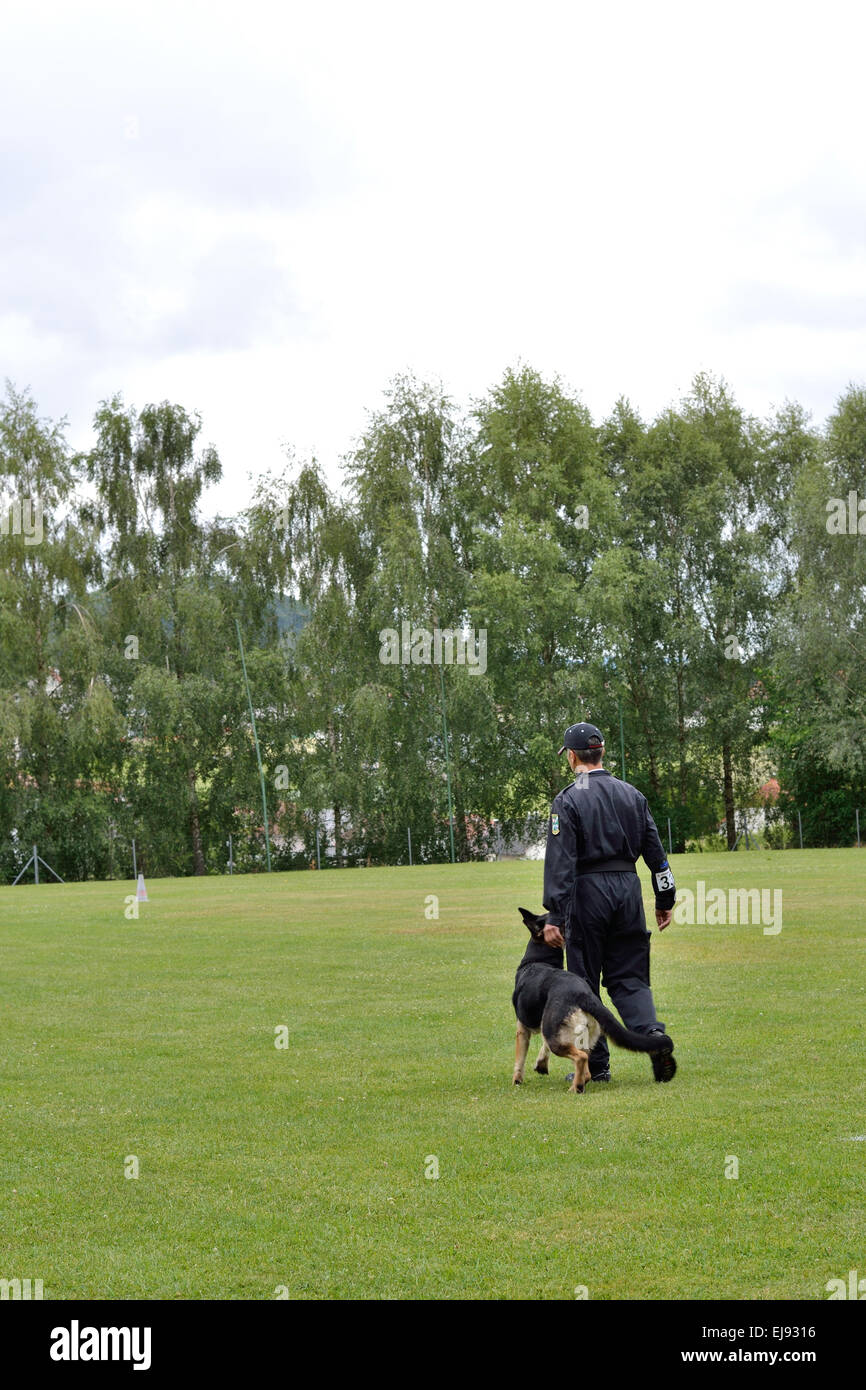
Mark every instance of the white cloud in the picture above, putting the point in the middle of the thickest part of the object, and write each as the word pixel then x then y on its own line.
pixel 316 197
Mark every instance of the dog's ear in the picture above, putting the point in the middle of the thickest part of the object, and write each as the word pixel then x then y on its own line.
pixel 535 922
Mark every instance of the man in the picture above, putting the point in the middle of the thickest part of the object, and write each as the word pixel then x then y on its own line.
pixel 598 827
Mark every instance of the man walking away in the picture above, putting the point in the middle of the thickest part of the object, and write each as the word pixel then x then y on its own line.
pixel 598 827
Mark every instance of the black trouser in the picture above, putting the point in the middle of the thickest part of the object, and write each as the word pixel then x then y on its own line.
pixel 607 939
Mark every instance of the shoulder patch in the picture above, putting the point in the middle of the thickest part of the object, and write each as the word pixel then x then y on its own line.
pixel 554 824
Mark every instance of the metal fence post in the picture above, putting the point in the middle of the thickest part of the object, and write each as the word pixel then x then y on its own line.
pixel 409 833
pixel 800 823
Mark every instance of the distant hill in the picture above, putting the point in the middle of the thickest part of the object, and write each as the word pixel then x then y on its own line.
pixel 291 615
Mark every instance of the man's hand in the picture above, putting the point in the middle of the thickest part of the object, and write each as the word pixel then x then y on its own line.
pixel 553 936
pixel 665 918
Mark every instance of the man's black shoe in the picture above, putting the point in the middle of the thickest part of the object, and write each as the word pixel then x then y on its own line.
pixel 602 1076
pixel 663 1063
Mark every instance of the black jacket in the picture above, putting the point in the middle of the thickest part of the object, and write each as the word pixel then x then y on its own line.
pixel 598 818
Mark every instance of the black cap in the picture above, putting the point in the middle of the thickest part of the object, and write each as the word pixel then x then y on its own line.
pixel 582 738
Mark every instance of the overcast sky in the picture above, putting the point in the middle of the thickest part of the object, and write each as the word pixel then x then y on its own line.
pixel 264 212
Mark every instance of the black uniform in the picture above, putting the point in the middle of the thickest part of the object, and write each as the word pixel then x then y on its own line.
pixel 598 827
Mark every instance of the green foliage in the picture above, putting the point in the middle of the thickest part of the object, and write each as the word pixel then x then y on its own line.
pixel 676 576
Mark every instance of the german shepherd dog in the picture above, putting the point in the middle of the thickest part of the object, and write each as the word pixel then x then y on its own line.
pixel 562 1007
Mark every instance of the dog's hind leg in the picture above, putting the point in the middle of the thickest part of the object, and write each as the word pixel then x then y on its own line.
pixel 581 1068
pixel 521 1049
pixel 541 1062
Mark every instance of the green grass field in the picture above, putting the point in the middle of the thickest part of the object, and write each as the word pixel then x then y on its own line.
pixel 304 1167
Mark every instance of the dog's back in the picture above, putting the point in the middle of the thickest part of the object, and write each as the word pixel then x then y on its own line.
pixel 535 975
pixel 545 995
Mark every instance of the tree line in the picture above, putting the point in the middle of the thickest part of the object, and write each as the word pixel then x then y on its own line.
pixel 696 582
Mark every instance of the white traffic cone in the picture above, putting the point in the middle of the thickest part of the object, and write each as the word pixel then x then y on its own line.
pixel 141 895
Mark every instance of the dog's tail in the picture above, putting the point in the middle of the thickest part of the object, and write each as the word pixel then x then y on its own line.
pixel 623 1037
